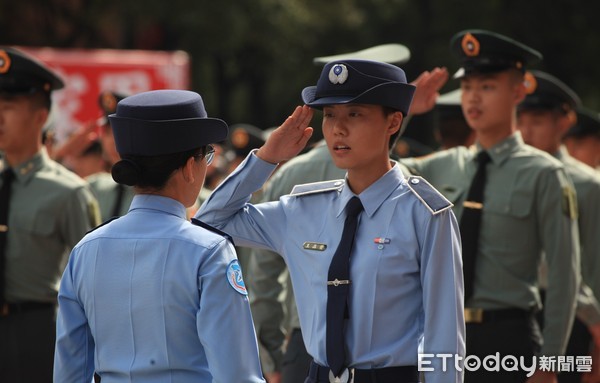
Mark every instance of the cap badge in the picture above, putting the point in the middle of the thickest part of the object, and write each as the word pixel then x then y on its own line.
pixel 338 74
pixel 530 82
pixel 240 138
pixel 470 45
pixel 4 62
pixel 109 102
pixel 234 277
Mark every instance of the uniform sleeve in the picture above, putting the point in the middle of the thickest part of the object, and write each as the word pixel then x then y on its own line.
pixel 261 225
pixel 588 308
pixel 264 287
pixel 74 351
pixel 559 235
pixel 81 214
pixel 224 322
pixel 443 294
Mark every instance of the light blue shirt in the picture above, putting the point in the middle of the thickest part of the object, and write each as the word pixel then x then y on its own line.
pixel 145 298
pixel 405 293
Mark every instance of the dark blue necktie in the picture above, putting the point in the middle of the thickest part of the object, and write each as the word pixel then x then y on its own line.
pixel 338 286
pixel 7 177
pixel 470 222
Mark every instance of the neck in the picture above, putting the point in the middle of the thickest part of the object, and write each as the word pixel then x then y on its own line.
pixel 14 158
pixel 491 137
pixel 361 179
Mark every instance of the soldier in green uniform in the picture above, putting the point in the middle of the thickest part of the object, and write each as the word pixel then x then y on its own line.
pixel 114 199
pixel 524 202
pixel 583 139
pixel 44 211
pixel 547 112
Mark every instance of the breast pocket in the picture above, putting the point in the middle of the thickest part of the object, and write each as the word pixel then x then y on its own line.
pixel 508 221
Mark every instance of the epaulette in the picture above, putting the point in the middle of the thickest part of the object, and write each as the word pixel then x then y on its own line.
pixel 102 224
pixel 206 226
pixel 431 198
pixel 317 187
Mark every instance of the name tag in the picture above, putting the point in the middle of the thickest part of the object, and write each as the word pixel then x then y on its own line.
pixel 314 246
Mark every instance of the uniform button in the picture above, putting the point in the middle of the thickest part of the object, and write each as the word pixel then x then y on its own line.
pixel 380 247
pixel 414 181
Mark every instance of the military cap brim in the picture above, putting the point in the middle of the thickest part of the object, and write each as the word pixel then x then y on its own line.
pixel 547 92
pixel 394 95
pixel 388 53
pixel 21 73
pixel 164 122
pixel 361 82
pixel 588 124
pixel 481 51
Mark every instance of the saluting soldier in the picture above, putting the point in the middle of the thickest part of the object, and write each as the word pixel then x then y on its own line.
pixel 113 198
pixel 514 202
pixel 44 211
pixel 371 286
pixel 547 112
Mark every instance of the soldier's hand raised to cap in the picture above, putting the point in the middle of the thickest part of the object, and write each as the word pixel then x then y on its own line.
pixel 290 138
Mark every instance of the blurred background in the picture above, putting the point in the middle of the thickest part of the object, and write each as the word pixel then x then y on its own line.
pixel 250 59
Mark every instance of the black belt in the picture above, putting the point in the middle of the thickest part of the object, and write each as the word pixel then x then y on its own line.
pixel 399 374
pixel 483 316
pixel 7 309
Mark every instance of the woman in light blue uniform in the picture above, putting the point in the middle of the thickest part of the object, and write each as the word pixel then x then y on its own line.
pixel 151 297
pixel 404 292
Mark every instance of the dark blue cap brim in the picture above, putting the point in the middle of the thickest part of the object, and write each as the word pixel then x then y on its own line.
pixel 394 95
pixel 149 138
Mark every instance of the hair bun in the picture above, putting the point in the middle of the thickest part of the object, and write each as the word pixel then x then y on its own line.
pixel 126 172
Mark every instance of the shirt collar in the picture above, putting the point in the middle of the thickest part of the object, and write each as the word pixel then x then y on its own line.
pixel 25 170
pixel 159 203
pixel 373 196
pixel 500 152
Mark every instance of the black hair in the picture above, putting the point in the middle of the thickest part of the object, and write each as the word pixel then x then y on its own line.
pixel 151 172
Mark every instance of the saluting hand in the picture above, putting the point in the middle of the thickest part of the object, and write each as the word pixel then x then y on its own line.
pixel 289 139
pixel 428 85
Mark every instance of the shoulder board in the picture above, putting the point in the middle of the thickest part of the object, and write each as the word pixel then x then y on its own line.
pixel 317 187
pixel 431 198
pixel 102 224
pixel 206 226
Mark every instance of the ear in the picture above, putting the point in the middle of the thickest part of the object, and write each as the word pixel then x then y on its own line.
pixel 564 123
pixel 41 116
pixel 520 92
pixel 188 170
pixel 395 122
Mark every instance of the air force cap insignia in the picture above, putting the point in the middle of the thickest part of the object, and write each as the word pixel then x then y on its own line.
pixel 234 277
pixel 338 74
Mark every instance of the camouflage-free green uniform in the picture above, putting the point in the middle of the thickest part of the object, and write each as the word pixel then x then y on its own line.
pixel 107 191
pixel 51 209
pixel 529 209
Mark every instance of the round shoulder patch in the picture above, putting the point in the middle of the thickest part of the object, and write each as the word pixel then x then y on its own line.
pixel 234 277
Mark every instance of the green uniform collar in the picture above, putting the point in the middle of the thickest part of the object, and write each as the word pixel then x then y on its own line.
pixel 25 170
pixel 502 151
